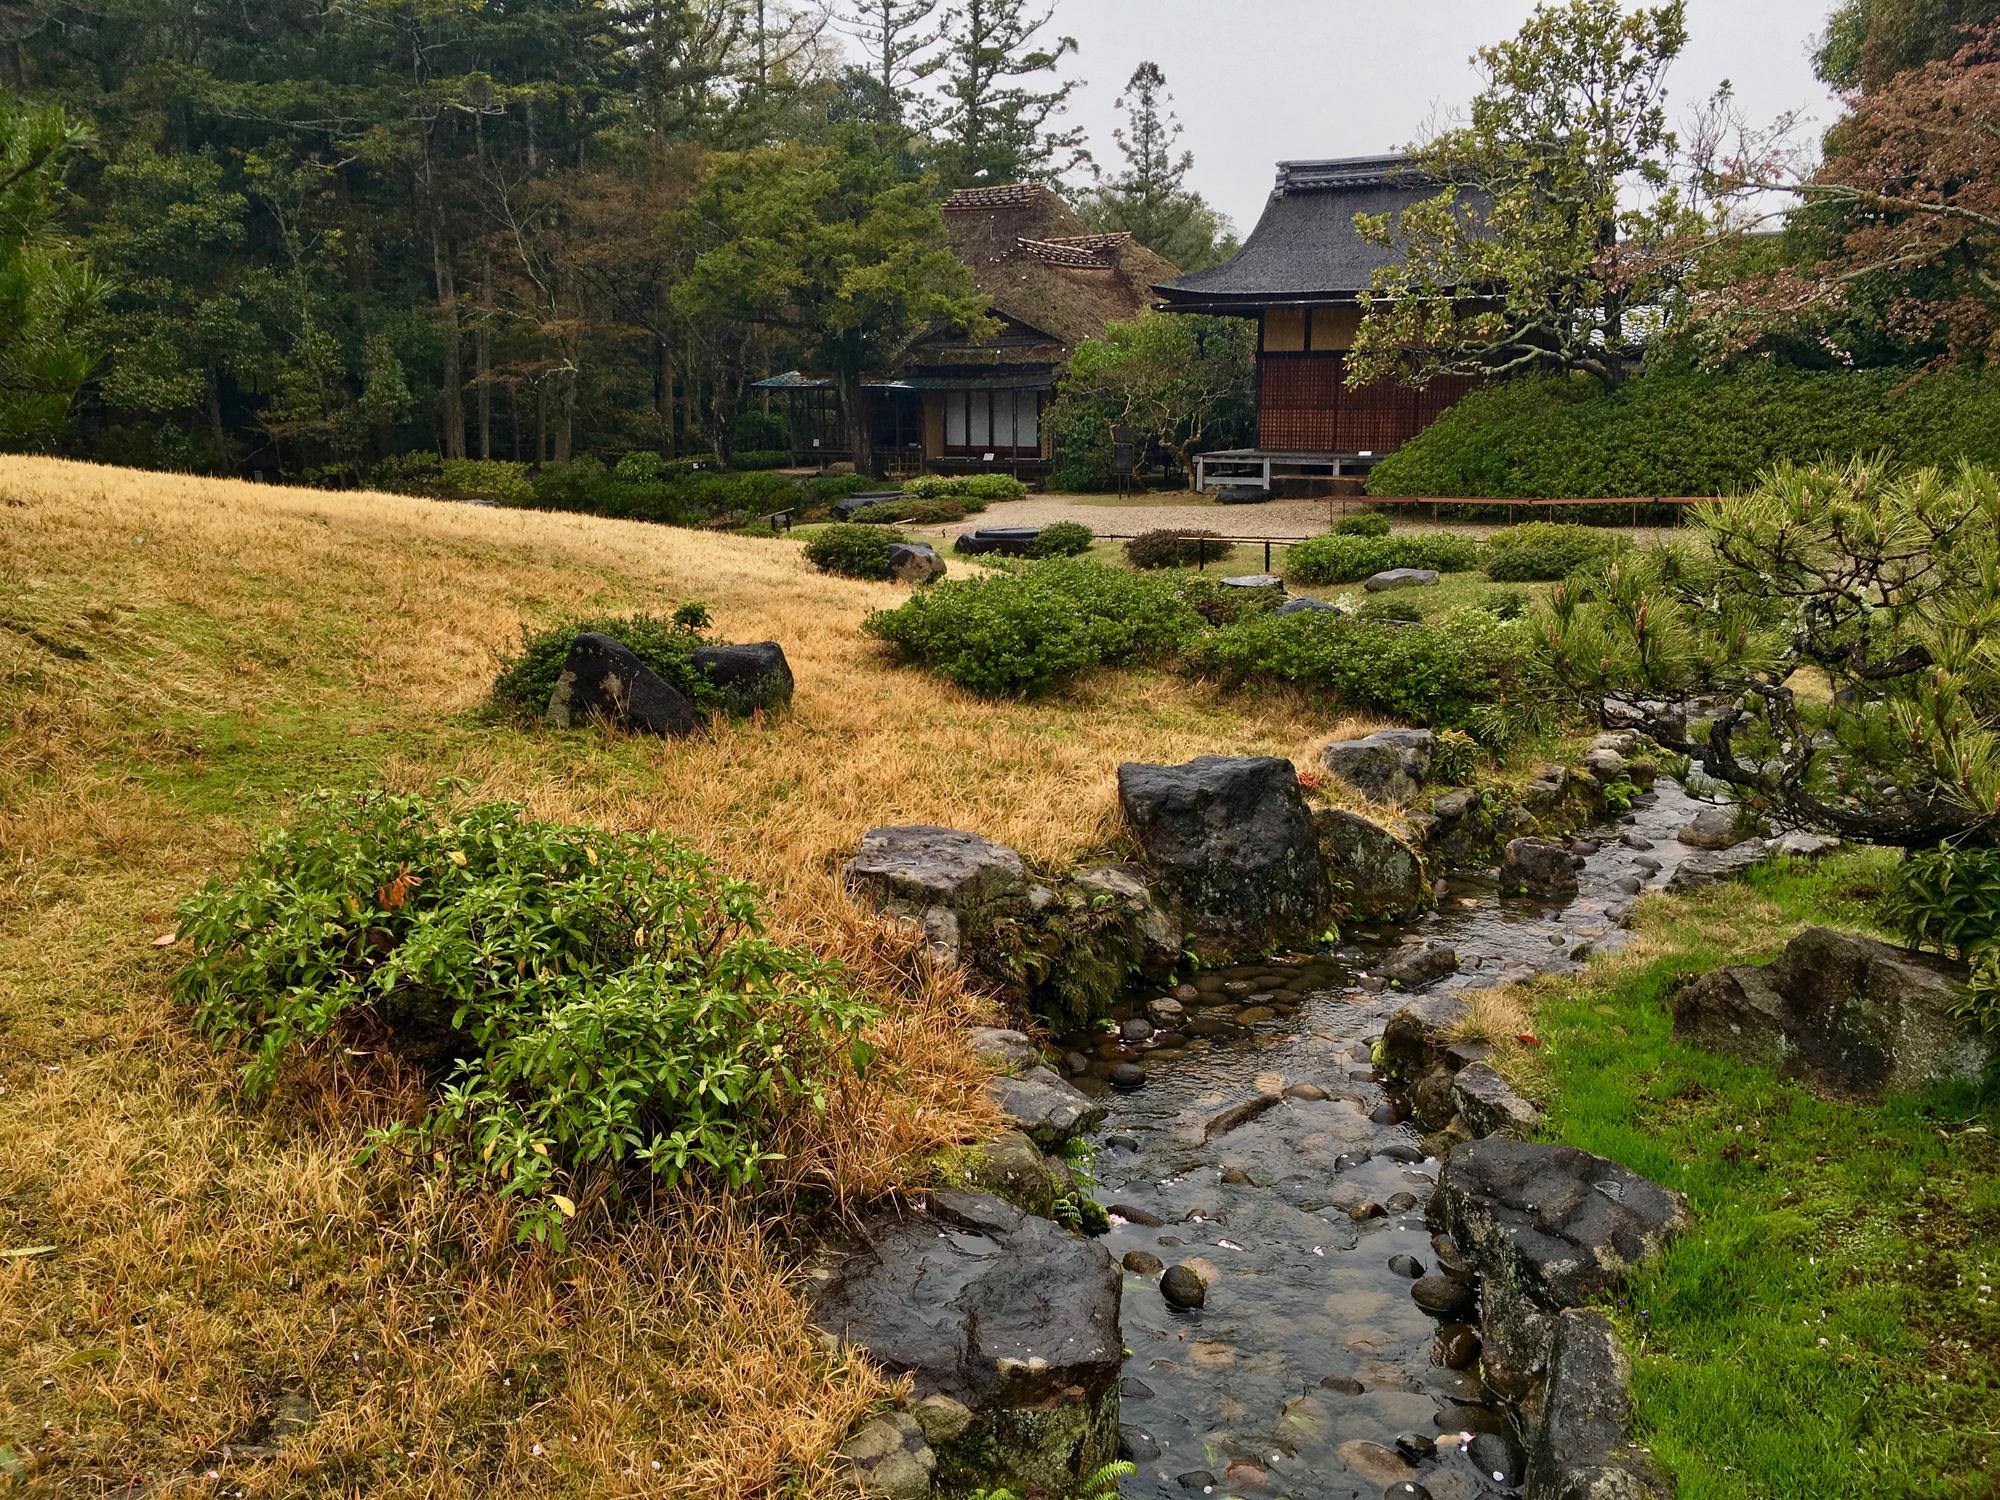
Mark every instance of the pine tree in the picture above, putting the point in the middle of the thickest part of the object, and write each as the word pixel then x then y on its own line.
pixel 992 124
pixel 1149 199
pixel 898 38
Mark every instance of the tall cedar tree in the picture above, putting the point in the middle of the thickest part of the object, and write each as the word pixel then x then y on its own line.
pixel 1559 220
pixel 992 125
pixel 1150 199
pixel 898 40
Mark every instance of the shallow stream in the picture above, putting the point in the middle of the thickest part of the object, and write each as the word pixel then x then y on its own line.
pixel 1309 1372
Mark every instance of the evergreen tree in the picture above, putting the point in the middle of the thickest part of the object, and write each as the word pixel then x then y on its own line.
pixel 991 119
pixel 1150 198
pixel 898 39
pixel 1868 42
pixel 48 295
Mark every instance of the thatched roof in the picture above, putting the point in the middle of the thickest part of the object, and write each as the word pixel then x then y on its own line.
pixel 1053 283
pixel 1305 248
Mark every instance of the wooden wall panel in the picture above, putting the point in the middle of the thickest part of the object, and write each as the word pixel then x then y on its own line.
pixel 1304 405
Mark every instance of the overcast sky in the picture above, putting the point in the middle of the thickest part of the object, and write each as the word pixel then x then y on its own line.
pixel 1260 81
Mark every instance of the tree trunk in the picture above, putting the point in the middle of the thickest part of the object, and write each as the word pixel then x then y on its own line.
pixel 451 394
pixel 482 354
pixel 860 441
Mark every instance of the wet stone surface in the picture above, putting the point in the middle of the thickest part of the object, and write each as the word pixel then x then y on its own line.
pixel 1262 1155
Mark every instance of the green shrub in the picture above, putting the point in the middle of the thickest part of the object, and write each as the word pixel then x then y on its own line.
pixel 1063 539
pixel 1221 604
pixel 1547 551
pixel 1024 632
pixel 595 1008
pixel 1505 604
pixel 1349 559
pixel 453 479
pixel 1180 548
pixel 1454 757
pixel 745 460
pixel 983 489
pixel 1674 432
pixel 1390 607
pixel 852 549
pixel 1466 671
pixel 664 644
pixel 824 489
pixel 1368 523
pixel 1948 899
pixel 917 512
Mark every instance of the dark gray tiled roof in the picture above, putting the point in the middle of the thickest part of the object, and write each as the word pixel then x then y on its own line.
pixel 1305 246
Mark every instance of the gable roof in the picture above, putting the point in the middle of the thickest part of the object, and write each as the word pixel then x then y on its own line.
pixel 1305 247
pixel 1052 281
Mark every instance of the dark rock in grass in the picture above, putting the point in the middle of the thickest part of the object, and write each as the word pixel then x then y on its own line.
pixel 1013 541
pixel 1540 867
pixel 1489 1104
pixel 1417 963
pixel 1230 842
pixel 1847 1016
pixel 1046 1109
pixel 1377 873
pixel 1002 1311
pixel 1400 578
pixel 915 562
pixel 603 679
pixel 1443 1296
pixel 1009 1051
pixel 1255 581
pixel 1305 604
pixel 752 676
pixel 887 1458
pixel 1545 1228
pixel 1582 1449
pixel 1183 1287
pixel 847 506
pixel 1388 766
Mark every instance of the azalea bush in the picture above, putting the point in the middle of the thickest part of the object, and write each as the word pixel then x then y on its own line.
pixel 665 643
pixel 1349 559
pixel 852 549
pixel 1545 551
pixel 593 1010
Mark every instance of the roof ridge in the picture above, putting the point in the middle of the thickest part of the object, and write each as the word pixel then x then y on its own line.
pixel 1004 195
pixel 1072 250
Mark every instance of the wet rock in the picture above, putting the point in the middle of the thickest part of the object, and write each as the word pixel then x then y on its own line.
pixel 1388 766
pixel 1377 874
pixel 1400 578
pixel 1406 1265
pixel 1309 1092
pixel 1136 1444
pixel 1450 1257
pixel 1847 1016
pixel 1400 1203
pixel 887 1458
pixel 1632 840
pixel 1010 1051
pixel 1137 1029
pixel 1373 1462
pixel 1416 1446
pixel 1489 1104
pixel 1540 867
pixel 1604 766
pixel 1230 842
pixel 1183 1288
pixel 1581 1449
pixel 1714 828
pixel 1004 1312
pixel 1346 1385
pixel 1304 1419
pixel 1362 1212
pixel 1630 885
pixel 1456 804
pixel 1166 1011
pixel 1396 1151
pixel 1546 792
pixel 1147 934
pixel 1009 1166
pixel 1418 963
pixel 1049 1111
pixel 1457 1346
pixel 1132 1214
pixel 1239 1115
pixel 1075 1064
pixel 1443 1296
pixel 1136 1389
pixel 602 679
pixel 1466 1051
pixel 1647 863
pixel 752 676
pixel 1198 1481
pixel 1545 1228
pixel 915 562
pixel 1432 1101
pixel 1237 1177
pixel 949 882
pixel 1495 1457
pixel 1406 1489
pixel 941 1418
pixel 1143 1263
pixel 1347 1161
pixel 1386 1113
pixel 1414 1038
pixel 1127 1076
pixel 1472 1419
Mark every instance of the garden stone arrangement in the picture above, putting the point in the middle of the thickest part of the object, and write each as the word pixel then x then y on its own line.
pixel 604 681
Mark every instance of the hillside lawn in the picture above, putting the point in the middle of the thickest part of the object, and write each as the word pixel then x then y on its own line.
pixel 179 658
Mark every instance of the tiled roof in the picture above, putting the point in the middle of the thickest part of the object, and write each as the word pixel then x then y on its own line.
pixel 1096 252
pixel 1013 195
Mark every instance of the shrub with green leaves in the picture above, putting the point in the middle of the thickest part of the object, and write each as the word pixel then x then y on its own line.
pixel 853 549
pixel 453 478
pixel 1349 559
pixel 664 643
pixel 977 491
pixel 1174 548
pixel 1368 523
pixel 1390 607
pixel 1948 899
pixel 1220 603
pixel 594 1009
pixel 1466 671
pixel 1063 539
pixel 1023 632
pixel 1547 551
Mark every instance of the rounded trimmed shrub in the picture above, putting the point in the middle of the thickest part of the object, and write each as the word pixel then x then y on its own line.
pixel 1063 539
pixel 1172 548
pixel 852 549
pixel 1349 559
pixel 1547 551
pixel 664 643
pixel 1368 523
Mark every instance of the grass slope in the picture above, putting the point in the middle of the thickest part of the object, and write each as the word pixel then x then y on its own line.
pixel 1829 1328
pixel 178 657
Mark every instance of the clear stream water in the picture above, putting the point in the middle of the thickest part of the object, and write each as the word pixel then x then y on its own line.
pixel 1309 1360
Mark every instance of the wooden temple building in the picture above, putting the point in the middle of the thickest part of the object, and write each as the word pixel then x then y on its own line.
pixel 1300 275
pixel 957 404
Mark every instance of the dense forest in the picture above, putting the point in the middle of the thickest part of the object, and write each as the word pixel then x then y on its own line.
pixel 294 236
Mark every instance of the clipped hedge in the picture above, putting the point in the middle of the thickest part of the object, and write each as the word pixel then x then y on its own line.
pixel 1177 548
pixel 985 488
pixel 1062 539
pixel 1688 433
pixel 1547 551
pixel 852 550
pixel 1368 523
pixel 1349 559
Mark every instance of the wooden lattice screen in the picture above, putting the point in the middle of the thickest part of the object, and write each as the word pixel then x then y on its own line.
pixel 1303 405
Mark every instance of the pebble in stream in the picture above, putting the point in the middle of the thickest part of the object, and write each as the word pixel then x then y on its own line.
pixel 1310 1369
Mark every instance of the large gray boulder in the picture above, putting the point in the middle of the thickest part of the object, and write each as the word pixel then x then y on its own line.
pixel 752 676
pixel 1544 1228
pixel 1000 1311
pixel 1230 842
pixel 1488 1103
pixel 603 680
pixel 1715 828
pixel 1847 1016
pixel 1046 1109
pixel 1387 766
pixel 1372 872
pixel 1582 1447
pixel 915 562
pixel 950 883
pixel 1400 578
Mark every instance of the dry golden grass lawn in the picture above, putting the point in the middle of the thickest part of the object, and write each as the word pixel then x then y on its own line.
pixel 179 656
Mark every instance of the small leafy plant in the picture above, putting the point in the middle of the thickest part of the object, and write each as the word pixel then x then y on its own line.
pixel 591 1008
pixel 979 489
pixel 1548 551
pixel 1368 523
pixel 1948 899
